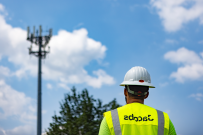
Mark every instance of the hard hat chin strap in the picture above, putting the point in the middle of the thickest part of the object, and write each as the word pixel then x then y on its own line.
pixel 136 93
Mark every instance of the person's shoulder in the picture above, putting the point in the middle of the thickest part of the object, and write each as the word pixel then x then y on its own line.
pixel 108 112
pixel 155 109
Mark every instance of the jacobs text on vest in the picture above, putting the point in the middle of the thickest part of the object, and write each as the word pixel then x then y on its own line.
pixel 138 118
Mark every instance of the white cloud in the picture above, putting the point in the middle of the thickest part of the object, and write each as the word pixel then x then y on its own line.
pixel 170 41
pixel 4 71
pixel 102 78
pixel 70 53
pixel 197 96
pixel 201 54
pixel 14 103
pixel 49 86
pixel 175 13
pixel 2 131
pixel 20 130
pixel 64 86
pixel 184 56
pixel 190 62
pixel 1 7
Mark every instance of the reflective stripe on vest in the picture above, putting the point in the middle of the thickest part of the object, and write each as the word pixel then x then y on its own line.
pixel 116 122
pixel 160 122
pixel 117 128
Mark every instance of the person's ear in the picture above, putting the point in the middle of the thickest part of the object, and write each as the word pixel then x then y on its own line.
pixel 146 96
pixel 125 92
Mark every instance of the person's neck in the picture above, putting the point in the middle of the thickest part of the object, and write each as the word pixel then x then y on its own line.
pixel 133 100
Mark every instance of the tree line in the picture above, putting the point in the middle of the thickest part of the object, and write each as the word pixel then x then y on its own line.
pixel 80 114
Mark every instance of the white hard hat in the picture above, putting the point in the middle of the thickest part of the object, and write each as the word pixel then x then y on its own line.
pixel 137 76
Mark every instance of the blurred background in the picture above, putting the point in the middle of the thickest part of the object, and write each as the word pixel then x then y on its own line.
pixel 94 43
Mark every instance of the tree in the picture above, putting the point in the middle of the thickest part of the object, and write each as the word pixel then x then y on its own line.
pixel 80 114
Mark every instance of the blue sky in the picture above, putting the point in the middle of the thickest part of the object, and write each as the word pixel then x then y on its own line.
pixel 94 43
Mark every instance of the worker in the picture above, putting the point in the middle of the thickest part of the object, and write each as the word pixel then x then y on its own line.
pixel 135 118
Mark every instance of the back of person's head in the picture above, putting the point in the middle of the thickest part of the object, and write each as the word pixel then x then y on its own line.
pixel 136 91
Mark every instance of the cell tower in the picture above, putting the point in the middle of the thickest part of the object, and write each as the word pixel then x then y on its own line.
pixel 42 42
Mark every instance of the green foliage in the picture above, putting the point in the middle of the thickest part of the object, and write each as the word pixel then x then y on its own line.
pixel 80 114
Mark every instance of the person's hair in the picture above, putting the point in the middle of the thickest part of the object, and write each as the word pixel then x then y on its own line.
pixel 137 88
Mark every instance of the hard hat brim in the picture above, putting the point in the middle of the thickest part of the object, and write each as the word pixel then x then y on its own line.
pixel 136 83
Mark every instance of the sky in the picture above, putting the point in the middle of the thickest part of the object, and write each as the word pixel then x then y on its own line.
pixel 94 44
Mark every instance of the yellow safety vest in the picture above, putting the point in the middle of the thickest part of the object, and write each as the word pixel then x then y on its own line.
pixel 137 119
